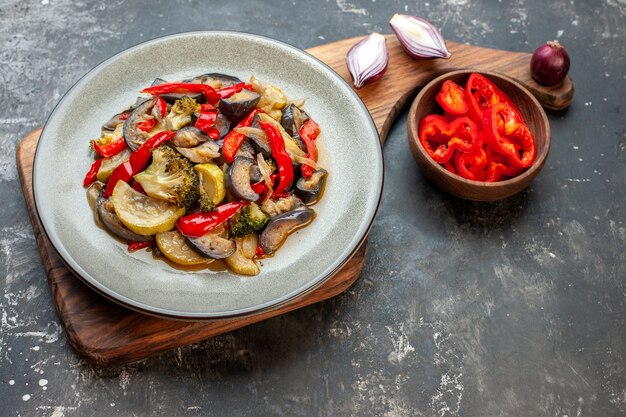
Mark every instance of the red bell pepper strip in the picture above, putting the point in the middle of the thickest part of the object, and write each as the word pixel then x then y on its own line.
pixel 233 140
pixel 166 88
pixel 226 92
pixel 452 99
pixel 92 174
pixel 449 166
pixel 277 196
pixel 440 138
pixel 497 171
pixel 471 165
pixel 135 246
pixel 261 188
pixel 280 155
pixel 146 125
pixel 137 161
pixel 162 106
pixel 123 116
pixel 206 121
pixel 308 133
pixel 259 251
pixel 482 94
pixel 137 187
pixel 498 167
pixel 196 225
pixel 111 148
pixel 509 136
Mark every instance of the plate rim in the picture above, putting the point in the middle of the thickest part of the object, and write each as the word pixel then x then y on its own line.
pixel 355 244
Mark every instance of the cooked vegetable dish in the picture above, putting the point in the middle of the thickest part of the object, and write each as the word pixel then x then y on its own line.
pixel 207 168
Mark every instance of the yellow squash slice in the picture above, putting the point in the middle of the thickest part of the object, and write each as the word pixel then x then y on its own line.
pixel 142 214
pixel 212 181
pixel 175 248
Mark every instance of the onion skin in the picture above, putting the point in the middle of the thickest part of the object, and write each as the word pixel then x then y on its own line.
pixel 549 64
pixel 419 38
pixel 367 60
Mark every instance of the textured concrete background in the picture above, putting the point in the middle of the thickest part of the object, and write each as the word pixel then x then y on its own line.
pixel 463 309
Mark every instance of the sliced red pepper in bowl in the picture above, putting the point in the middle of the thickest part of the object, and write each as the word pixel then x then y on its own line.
pixel 452 99
pixel 482 94
pixel 507 135
pixel 470 165
pixel 440 139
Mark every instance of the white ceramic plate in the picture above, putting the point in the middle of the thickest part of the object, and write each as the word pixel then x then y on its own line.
pixel 349 149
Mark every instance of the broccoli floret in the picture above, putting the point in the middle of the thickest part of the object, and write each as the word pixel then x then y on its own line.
pixel 181 112
pixel 204 201
pixel 249 219
pixel 170 177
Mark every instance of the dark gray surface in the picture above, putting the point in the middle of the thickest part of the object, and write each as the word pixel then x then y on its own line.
pixel 468 309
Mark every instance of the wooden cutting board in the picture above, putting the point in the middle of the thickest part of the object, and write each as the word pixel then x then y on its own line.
pixel 104 333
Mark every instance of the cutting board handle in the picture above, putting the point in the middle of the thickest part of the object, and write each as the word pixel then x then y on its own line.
pixel 386 97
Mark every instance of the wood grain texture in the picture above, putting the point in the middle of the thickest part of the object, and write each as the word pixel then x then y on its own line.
pixel 532 113
pixel 104 333
pixel 404 76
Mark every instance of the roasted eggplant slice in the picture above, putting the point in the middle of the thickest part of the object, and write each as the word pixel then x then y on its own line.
pixel 215 79
pixel 109 219
pixel 213 245
pixel 113 122
pixel 222 124
pixel 293 118
pixel 174 247
pixel 172 97
pixel 255 174
pixel 133 136
pixel 238 179
pixel 188 137
pixel 239 104
pixel 245 150
pixel 280 227
pixel 258 138
pixel 309 189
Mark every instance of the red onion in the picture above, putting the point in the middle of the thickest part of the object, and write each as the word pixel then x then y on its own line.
pixel 367 60
pixel 549 64
pixel 419 37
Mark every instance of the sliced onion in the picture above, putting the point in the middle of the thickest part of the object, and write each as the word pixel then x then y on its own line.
pixel 266 171
pixel 367 60
pixel 253 132
pixel 419 37
pixel 305 161
pixel 299 103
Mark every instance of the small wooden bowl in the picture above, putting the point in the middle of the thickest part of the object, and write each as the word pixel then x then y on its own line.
pixel 531 111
